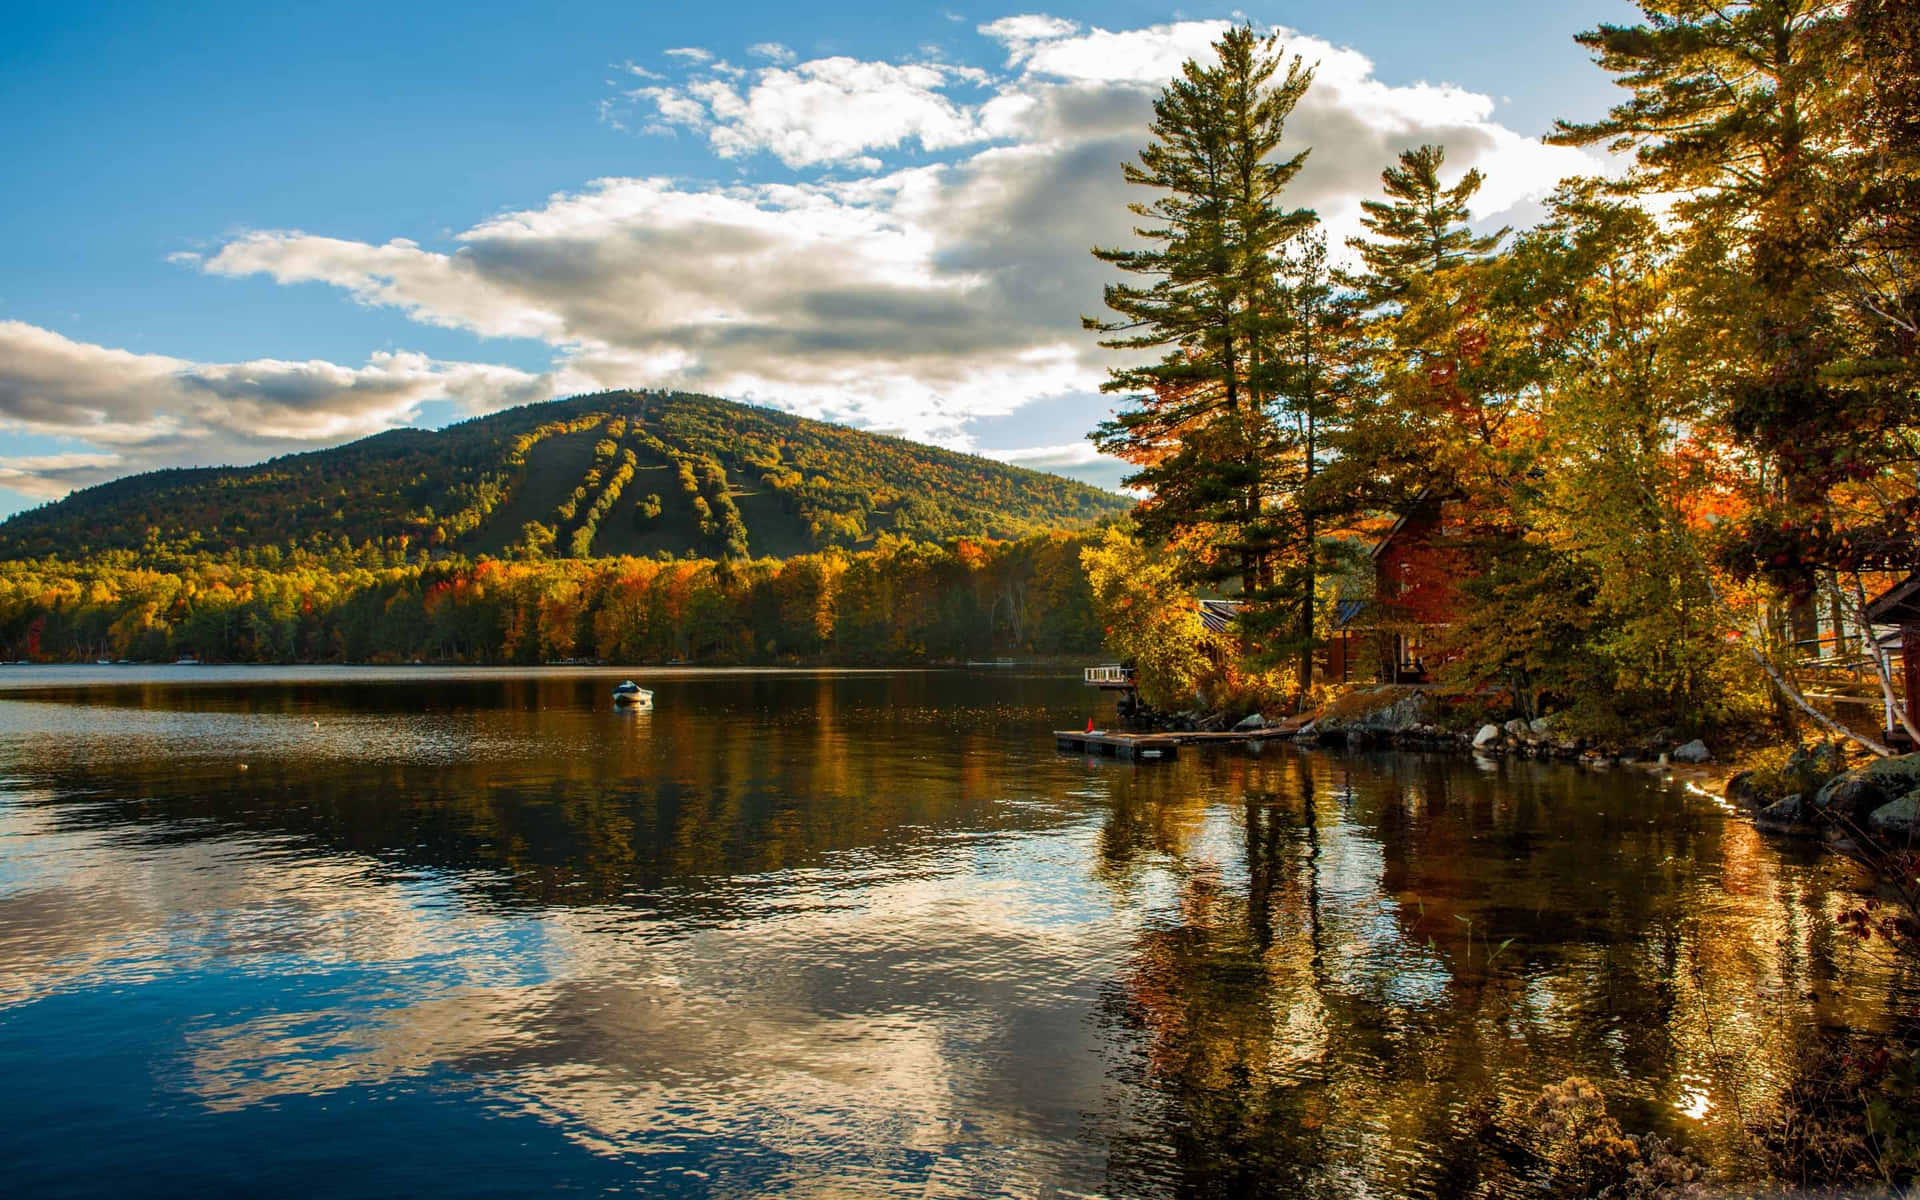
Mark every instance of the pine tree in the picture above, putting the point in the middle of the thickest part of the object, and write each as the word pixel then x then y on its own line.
pixel 1420 229
pixel 1198 426
pixel 1309 405
pixel 1435 390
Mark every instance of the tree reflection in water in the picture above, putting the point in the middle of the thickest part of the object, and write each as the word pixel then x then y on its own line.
pixel 869 933
pixel 1405 950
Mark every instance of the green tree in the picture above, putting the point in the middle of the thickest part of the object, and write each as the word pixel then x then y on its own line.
pixel 1420 229
pixel 1198 426
pixel 1435 387
pixel 1735 108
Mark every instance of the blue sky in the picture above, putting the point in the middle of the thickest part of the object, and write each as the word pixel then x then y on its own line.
pixel 235 231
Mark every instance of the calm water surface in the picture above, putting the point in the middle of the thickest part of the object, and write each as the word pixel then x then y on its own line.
pixel 395 933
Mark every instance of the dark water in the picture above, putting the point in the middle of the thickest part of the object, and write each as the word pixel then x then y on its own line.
pixel 341 933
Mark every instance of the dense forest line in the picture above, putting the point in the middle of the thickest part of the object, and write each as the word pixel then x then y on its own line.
pixel 652 474
pixel 899 602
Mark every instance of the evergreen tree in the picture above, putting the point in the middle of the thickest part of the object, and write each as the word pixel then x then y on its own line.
pixel 1309 406
pixel 1436 385
pixel 1881 193
pixel 1420 229
pixel 1199 427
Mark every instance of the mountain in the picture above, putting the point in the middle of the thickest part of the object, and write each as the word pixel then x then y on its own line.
pixel 641 473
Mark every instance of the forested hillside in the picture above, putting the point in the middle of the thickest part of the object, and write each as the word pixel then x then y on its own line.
pixel 621 473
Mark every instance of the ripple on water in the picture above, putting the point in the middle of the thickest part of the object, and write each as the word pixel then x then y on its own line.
pixel 843 935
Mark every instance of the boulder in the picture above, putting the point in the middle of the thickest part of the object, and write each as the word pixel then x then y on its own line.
pixel 1792 816
pixel 1894 776
pixel 1897 822
pixel 1694 751
pixel 1517 727
pixel 1413 709
pixel 1823 760
pixel 1252 721
pixel 1851 797
pixel 1741 790
pixel 1540 726
pixel 1488 735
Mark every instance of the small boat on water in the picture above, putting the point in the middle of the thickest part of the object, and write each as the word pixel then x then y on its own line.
pixel 631 693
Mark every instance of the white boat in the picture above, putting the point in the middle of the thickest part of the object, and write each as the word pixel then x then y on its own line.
pixel 632 693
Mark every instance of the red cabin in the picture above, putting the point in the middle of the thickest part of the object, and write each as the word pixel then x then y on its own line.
pixel 1416 574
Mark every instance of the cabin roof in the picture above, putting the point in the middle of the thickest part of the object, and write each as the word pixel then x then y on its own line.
pixel 1898 605
pixel 1423 503
pixel 1217 615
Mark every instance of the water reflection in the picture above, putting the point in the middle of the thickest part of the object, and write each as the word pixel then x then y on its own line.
pixel 845 935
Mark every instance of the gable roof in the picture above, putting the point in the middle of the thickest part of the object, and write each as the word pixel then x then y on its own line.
pixel 1217 615
pixel 1898 605
pixel 1423 501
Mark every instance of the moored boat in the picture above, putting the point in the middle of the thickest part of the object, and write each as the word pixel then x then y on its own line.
pixel 631 693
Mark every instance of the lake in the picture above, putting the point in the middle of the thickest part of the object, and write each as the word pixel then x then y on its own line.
pixel 361 932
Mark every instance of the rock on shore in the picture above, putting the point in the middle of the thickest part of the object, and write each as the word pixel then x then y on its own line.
pixel 1881 799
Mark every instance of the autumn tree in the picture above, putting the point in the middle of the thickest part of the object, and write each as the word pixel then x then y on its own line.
pixel 1780 134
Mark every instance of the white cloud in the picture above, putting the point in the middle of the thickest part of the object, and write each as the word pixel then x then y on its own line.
pixel 829 110
pixel 913 299
pixel 139 411
pixel 1078 460
pixel 918 299
pixel 772 51
pixel 1021 32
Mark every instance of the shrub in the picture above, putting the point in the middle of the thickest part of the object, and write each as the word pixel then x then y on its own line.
pixel 1583 1152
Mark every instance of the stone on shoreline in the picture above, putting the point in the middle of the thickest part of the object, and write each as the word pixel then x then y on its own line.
pixel 1488 735
pixel 1790 816
pixel 1883 796
pixel 1895 776
pixel 1742 790
pixel 1694 751
pixel 1899 820
pixel 1850 797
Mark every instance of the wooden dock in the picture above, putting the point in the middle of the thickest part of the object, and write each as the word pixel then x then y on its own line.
pixel 1235 737
pixel 1160 747
pixel 1133 747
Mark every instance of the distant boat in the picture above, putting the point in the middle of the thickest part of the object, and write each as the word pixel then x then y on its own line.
pixel 186 660
pixel 632 693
